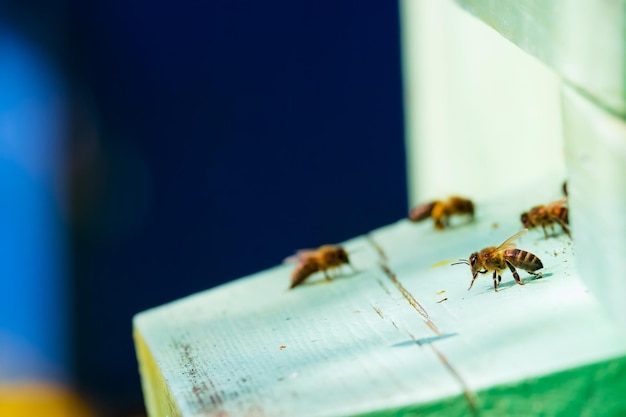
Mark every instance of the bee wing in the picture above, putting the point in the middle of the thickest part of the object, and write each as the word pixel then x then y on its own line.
pixel 510 242
pixel 299 256
pixel 293 259
pixel 560 202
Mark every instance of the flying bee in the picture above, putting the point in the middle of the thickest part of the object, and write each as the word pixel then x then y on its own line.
pixel 497 259
pixel 547 215
pixel 321 259
pixel 440 211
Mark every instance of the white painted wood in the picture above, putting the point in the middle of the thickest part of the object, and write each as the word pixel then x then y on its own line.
pixel 481 115
pixel 472 94
pixel 582 40
pixel 348 347
pixel 596 157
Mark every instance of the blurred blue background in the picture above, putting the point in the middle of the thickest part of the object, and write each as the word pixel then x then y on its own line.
pixel 150 150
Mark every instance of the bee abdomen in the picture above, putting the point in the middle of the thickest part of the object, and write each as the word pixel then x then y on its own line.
pixel 303 271
pixel 522 259
pixel 421 212
pixel 562 213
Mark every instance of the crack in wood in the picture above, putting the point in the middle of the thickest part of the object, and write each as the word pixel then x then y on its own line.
pixel 469 395
pixel 377 310
pixel 384 287
pixel 379 250
pixel 405 293
pixel 411 300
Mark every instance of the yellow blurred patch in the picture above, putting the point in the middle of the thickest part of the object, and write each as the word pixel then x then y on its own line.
pixel 41 399
pixel 442 263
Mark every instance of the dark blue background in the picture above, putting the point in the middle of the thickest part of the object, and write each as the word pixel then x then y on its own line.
pixel 210 139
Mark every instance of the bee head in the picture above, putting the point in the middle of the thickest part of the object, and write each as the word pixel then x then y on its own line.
pixel 473 262
pixel 525 220
pixel 342 256
pixel 467 206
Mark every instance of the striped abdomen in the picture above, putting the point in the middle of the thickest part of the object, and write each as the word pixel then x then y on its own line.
pixel 523 260
pixel 560 213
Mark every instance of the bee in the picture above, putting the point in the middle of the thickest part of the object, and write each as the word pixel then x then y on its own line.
pixel 547 215
pixel 322 259
pixel 497 259
pixel 440 211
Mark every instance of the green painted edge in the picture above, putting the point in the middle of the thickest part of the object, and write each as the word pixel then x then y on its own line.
pixel 596 390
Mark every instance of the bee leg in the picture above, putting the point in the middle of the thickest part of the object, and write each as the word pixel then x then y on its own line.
pixel 326 275
pixel 515 274
pixel 565 228
pixel 544 230
pixel 473 279
pixel 495 281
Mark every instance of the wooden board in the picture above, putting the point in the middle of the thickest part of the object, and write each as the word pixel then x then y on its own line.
pixel 402 335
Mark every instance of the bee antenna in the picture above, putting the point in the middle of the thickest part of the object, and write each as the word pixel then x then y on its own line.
pixel 461 261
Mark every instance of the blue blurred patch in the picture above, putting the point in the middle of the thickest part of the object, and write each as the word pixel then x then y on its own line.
pixel 33 316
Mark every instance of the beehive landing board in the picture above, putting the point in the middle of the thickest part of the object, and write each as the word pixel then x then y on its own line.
pixel 401 336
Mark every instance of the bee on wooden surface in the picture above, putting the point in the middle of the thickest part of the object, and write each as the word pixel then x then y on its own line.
pixel 440 211
pixel 547 215
pixel 322 259
pixel 497 259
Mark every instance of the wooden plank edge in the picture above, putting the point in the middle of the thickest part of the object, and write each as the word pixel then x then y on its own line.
pixel 548 395
pixel 157 394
